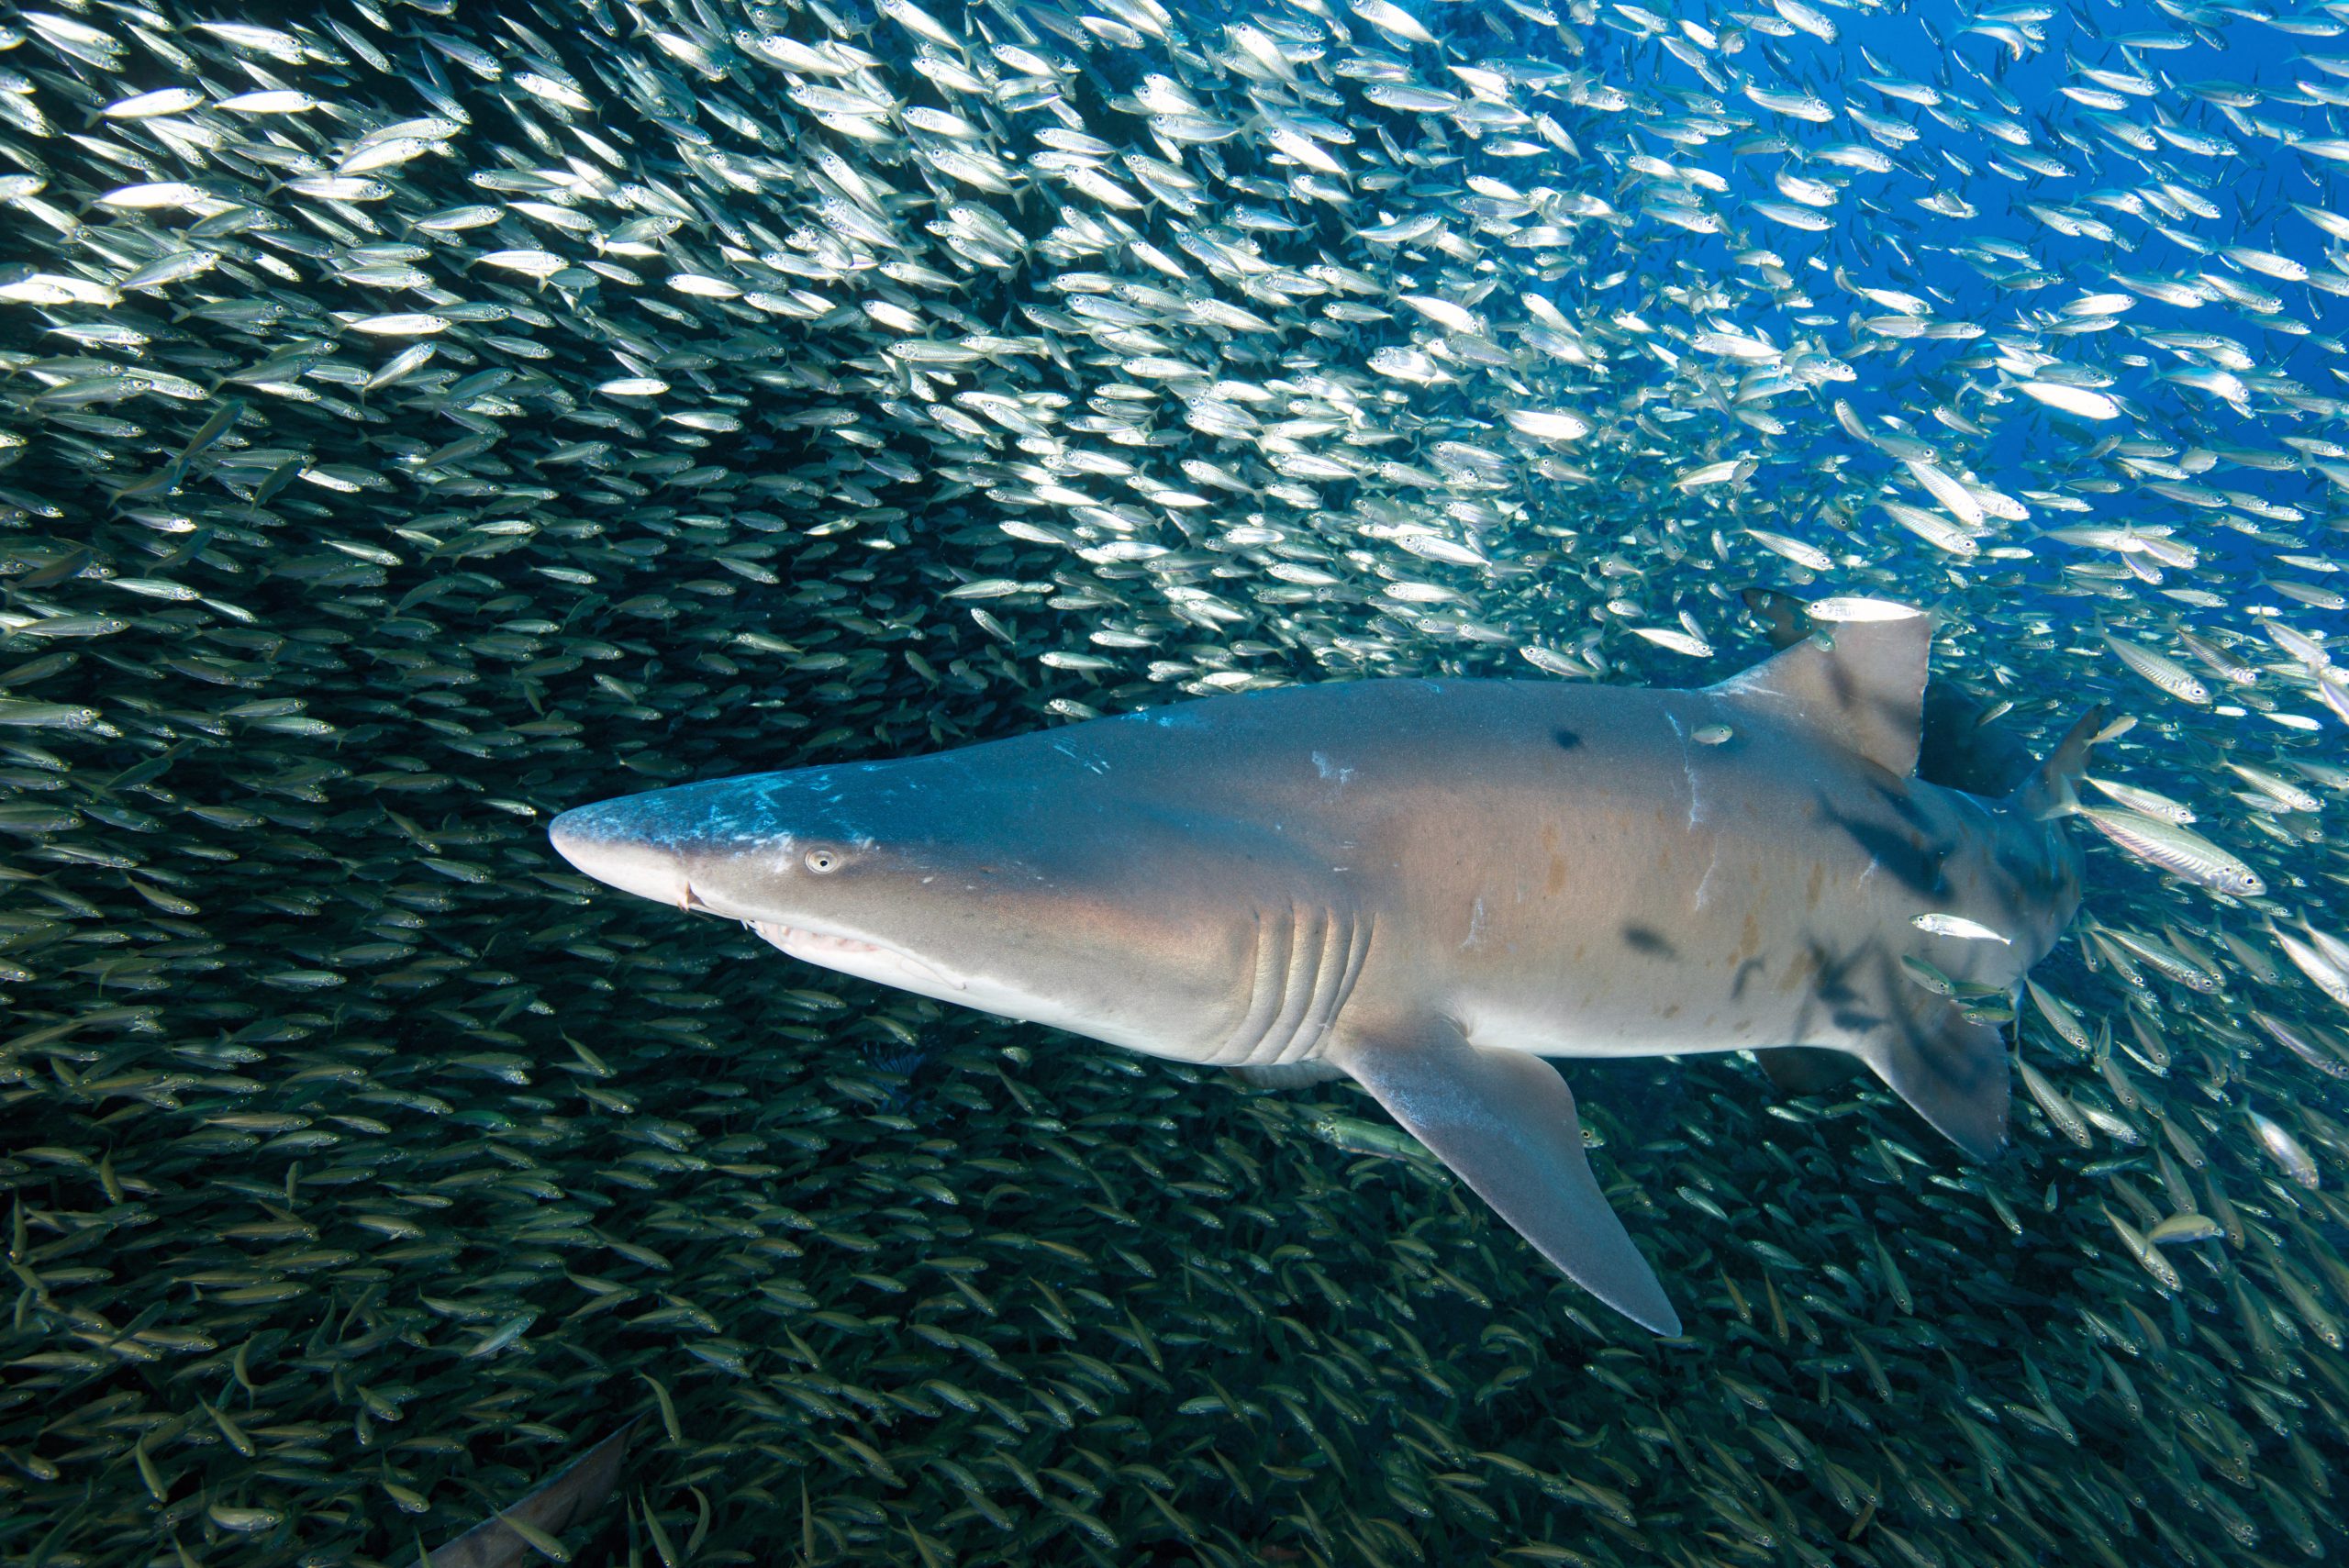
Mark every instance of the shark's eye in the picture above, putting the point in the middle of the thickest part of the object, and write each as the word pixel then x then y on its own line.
pixel 821 860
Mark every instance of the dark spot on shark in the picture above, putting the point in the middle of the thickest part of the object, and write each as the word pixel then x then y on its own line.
pixel 1901 853
pixel 1744 972
pixel 1833 987
pixel 1643 939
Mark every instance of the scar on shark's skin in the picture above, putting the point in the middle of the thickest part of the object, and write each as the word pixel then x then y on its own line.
pixel 1696 810
pixel 1471 876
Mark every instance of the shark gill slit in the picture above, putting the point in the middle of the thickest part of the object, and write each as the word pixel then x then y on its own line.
pixel 1268 959
pixel 1309 956
pixel 1324 1014
pixel 1304 967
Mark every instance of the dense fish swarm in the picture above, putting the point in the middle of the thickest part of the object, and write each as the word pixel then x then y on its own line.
pixel 420 419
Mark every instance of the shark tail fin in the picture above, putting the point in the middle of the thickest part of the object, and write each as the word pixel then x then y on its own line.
pixel 2049 791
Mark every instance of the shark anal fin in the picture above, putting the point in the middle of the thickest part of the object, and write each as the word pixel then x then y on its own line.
pixel 1505 1123
pixel 1951 1070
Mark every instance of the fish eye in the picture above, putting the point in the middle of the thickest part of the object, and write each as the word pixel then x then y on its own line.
pixel 821 861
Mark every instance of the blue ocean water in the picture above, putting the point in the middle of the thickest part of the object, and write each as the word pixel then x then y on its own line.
pixel 424 419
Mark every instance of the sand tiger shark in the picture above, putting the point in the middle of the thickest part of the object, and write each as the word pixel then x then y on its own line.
pixel 1430 886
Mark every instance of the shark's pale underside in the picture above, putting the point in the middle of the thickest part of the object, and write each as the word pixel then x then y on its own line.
pixel 1428 886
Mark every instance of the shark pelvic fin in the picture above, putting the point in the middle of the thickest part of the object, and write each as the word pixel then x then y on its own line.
pixel 1866 690
pixel 1505 1122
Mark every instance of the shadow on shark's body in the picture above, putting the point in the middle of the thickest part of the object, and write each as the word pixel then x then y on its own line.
pixel 1418 885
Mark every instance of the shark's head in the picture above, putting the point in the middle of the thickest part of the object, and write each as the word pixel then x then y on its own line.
pixel 1050 899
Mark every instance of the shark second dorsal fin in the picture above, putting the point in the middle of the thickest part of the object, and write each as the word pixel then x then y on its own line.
pixel 1863 688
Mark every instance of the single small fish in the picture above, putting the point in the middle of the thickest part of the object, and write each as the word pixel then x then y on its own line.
pixel 2283 791
pixel 2078 400
pixel 1355 1136
pixel 2148 1256
pixel 1958 926
pixel 156 196
pixel 2060 1111
pixel 2060 1016
pixel 1835 610
pixel 271 101
pixel 2286 1150
pixel 1547 424
pixel 1677 642
pixel 2144 802
pixel 2163 671
pixel 1809 557
pixel 162 101
pixel 2178 850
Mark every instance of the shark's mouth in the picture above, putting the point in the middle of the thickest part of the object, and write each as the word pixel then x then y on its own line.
pixel 854 956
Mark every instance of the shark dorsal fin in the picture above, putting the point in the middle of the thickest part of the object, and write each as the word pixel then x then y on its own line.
pixel 1865 688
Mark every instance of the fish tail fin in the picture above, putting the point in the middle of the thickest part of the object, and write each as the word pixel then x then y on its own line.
pixel 2051 789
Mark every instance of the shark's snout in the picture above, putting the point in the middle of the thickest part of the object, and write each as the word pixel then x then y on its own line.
pixel 612 841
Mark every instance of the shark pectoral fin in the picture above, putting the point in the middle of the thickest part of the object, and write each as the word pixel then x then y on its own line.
pixel 1505 1122
pixel 1952 1071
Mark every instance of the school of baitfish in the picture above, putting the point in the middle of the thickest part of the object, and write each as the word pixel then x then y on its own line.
pixel 418 417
